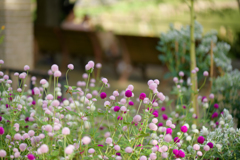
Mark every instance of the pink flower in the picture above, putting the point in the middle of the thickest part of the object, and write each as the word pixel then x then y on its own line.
pixel 128 93
pixel 54 67
pixel 26 68
pixel 71 66
pixel 205 73
pixel 86 140
pixel 184 129
pixel 137 118
pixel 128 150
pixel 65 131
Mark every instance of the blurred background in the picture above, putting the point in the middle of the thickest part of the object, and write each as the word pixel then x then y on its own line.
pixel 121 34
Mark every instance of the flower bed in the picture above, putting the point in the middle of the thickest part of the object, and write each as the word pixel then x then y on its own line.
pixel 93 125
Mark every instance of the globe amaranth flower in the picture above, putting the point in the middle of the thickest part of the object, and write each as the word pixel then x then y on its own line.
pixel 103 95
pixel 201 139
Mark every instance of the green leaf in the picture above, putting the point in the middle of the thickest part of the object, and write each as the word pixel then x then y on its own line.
pixel 55 153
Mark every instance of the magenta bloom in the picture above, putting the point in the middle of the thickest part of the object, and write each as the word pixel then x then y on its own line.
pixel 1 130
pixel 27 119
pixel 215 115
pixel 119 118
pixel 210 144
pixel 33 92
pixel 200 139
pixel 103 95
pixel 100 145
pixel 0 118
pixel 7 105
pixel 142 96
pixel 184 107
pixel 169 131
pixel 175 151
pixel 33 102
pixel 216 106
pixel 163 109
pixel 160 124
pixel 203 98
pixel 155 114
pixel 118 154
pixel 31 157
pixel 217 123
pixel 181 154
pixel 130 103
pixel 164 116
pixel 176 140
pixel 116 108
pixel 128 93
pixel 184 129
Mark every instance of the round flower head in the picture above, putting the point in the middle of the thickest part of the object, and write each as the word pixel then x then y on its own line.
pixel 91 150
pixel 3 153
pixel 86 140
pixel 26 68
pixel 137 118
pixel 153 156
pixel 215 115
pixel 128 93
pixel 161 96
pixel 211 96
pixel 22 146
pixel 142 96
pixel 109 140
pixel 54 67
pixel 48 128
pixel 199 153
pixel 143 158
pixel 153 126
pixel 31 157
pixel 206 148
pixel 201 139
pixel 99 65
pixel 181 154
pixel 169 131
pixel 196 147
pixel 69 150
pixel 168 138
pixel 71 66
pixel 65 131
pixel 184 129
pixel 17 136
pixel 104 80
pixel 128 150
pixel 175 151
pixel 55 103
pixel 131 103
pixel 181 73
pixel 57 74
pixel 103 95
pixel 216 106
pixel 205 73
pixel 165 117
pixel 1 130
pixel 44 148
pixel 1 61
pixel 210 144
pixel 116 108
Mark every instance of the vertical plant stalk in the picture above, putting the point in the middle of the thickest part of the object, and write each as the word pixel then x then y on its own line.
pixel 176 56
pixel 211 66
pixel 193 62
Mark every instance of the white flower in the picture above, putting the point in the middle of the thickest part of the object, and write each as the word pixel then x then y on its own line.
pixel 232 130
pixel 194 126
pixel 204 131
pixel 189 138
pixel 221 122
pixel 205 105
pixel 195 131
pixel 219 146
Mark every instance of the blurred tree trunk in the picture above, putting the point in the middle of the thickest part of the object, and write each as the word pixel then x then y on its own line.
pixel 193 62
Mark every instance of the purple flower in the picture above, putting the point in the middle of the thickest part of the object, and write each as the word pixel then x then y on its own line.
pixel 200 139
pixel 184 129
pixel 142 96
pixel 130 103
pixel 216 106
pixel 7 105
pixel 128 93
pixel 215 115
pixel 181 154
pixel 169 131
pixel 155 114
pixel 175 151
pixel 119 118
pixel 0 118
pixel 176 140
pixel 160 124
pixel 27 119
pixel 163 109
pixel 203 98
pixel 184 107
pixel 33 102
pixel 217 123
pixel 103 95
pixel 164 116
pixel 116 108
pixel 100 145
pixel 31 157
pixel 33 92
pixel 210 144
pixel 118 154
pixel 1 130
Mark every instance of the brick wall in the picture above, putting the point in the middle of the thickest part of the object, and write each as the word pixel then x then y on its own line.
pixel 17 47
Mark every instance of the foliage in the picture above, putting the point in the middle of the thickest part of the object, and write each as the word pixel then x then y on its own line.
pixel 92 125
pixel 177 56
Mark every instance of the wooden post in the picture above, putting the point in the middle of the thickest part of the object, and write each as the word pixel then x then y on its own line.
pixel 211 65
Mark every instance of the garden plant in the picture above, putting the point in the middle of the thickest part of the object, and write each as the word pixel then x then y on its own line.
pixel 89 124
